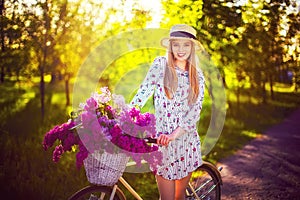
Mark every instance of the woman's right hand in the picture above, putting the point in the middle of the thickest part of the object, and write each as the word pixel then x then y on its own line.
pixel 164 139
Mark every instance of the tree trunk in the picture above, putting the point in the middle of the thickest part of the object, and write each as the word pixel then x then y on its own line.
pixel 271 87
pixel 238 90
pixel 296 81
pixel 264 92
pixel 42 77
pixel 67 89
pixel 42 91
pixel 2 73
pixel 238 97
pixel 44 59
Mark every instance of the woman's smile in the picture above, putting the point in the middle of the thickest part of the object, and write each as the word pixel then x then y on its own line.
pixel 181 54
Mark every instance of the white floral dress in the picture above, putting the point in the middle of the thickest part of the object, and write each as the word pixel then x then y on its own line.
pixel 182 155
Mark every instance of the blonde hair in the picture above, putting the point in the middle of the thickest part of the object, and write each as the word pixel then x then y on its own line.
pixel 171 79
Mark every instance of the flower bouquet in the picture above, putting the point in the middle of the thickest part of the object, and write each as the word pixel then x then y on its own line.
pixel 105 132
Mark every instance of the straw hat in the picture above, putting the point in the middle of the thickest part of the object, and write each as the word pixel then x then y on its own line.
pixel 182 31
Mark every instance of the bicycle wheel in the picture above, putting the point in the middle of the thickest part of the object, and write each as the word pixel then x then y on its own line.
pixel 206 183
pixel 97 192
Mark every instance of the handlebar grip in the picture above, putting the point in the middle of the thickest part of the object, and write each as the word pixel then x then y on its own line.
pixel 150 140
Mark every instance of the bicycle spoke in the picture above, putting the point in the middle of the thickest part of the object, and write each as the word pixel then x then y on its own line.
pixel 205 184
pixel 208 192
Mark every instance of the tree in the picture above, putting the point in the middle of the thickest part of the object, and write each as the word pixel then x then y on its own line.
pixel 2 11
pixel 14 54
pixel 265 42
pixel 292 58
pixel 56 36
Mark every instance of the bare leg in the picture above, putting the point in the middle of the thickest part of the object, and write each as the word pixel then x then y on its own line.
pixel 166 188
pixel 180 187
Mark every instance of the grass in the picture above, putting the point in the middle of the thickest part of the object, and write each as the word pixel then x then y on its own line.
pixel 27 171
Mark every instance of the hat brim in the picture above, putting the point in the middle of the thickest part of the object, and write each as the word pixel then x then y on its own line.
pixel 165 42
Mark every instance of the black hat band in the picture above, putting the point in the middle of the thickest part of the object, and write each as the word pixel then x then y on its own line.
pixel 182 34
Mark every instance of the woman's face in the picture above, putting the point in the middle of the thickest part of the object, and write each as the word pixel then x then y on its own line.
pixel 181 49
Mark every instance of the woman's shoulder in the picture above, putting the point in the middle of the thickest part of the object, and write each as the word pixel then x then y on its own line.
pixel 160 62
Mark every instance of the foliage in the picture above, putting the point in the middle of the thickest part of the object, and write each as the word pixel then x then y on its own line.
pixel 59 34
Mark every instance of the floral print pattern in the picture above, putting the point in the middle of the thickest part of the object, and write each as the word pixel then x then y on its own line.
pixel 182 155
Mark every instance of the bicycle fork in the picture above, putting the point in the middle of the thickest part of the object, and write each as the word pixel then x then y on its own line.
pixel 113 193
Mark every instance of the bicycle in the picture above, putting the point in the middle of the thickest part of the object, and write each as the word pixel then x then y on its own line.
pixel 205 183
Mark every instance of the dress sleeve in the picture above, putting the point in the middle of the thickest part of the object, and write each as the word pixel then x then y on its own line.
pixel 147 87
pixel 191 115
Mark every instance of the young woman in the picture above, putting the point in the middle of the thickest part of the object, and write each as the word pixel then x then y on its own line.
pixel 178 86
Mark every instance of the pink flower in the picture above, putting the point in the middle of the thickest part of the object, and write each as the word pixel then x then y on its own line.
pixel 115 131
pixel 81 155
pixel 91 104
pixel 58 151
pixel 50 138
pixel 105 97
pixel 69 141
pixel 134 112
pixel 59 132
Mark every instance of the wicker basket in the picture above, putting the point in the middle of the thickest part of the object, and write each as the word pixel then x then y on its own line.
pixel 105 168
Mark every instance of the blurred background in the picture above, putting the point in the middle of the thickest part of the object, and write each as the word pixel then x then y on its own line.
pixel 254 44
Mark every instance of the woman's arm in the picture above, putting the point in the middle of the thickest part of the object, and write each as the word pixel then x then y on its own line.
pixel 147 87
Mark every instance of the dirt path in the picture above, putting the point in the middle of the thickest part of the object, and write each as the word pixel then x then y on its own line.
pixel 268 167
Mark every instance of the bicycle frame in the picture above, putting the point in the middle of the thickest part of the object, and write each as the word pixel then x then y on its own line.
pixel 138 197
pixel 129 188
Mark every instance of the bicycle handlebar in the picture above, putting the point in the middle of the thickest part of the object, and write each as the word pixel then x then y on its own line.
pixel 150 140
